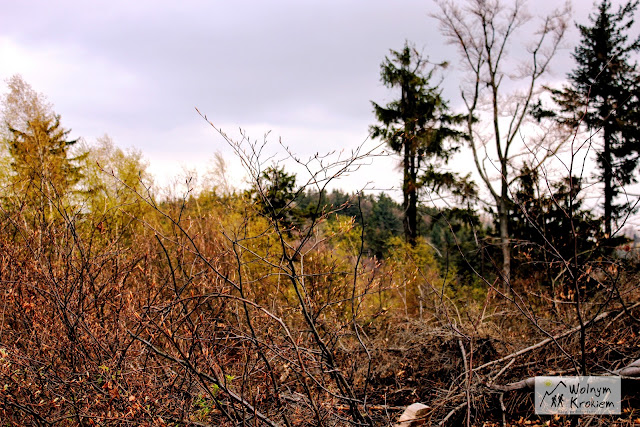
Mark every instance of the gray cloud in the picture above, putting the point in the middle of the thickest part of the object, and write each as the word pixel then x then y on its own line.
pixel 136 70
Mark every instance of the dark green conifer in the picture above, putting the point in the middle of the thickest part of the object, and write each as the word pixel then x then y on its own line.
pixel 416 126
pixel 604 97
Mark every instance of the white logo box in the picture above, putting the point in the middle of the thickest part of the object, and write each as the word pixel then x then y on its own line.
pixel 592 395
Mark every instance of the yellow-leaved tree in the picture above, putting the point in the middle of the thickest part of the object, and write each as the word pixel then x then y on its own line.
pixel 111 187
pixel 41 171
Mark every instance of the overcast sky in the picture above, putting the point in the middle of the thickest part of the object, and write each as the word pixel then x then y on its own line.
pixel 305 70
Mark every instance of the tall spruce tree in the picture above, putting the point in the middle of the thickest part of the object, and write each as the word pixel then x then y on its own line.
pixel 604 96
pixel 416 126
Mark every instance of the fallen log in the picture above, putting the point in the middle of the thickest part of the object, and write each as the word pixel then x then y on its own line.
pixel 631 371
pixel 546 341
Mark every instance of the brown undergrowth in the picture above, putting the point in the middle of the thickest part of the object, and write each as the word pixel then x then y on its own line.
pixel 204 312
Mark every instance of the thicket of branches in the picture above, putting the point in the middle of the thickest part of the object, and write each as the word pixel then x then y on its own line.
pixel 288 304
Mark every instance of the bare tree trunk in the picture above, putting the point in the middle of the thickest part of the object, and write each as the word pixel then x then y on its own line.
pixel 410 197
pixel 504 235
pixel 412 211
pixel 608 178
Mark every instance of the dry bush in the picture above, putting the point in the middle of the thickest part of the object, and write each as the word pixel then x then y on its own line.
pixel 210 310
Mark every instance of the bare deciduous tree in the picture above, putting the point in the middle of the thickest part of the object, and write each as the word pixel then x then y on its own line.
pixel 483 31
